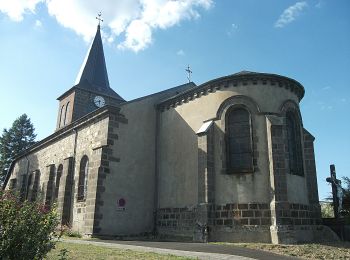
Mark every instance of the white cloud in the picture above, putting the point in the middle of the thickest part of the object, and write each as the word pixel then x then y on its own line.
pixel 290 14
pixel 15 9
pixel 133 21
pixel 180 53
pixel 326 107
pixel 138 36
pixel 319 4
pixel 38 23
pixel 232 29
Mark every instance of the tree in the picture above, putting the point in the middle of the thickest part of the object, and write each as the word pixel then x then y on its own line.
pixel 14 141
pixel 346 194
pixel 327 210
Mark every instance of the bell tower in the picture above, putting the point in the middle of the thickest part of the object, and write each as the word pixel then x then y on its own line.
pixel 91 90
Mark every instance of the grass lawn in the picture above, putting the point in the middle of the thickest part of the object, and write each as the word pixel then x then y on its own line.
pixel 336 250
pixel 87 252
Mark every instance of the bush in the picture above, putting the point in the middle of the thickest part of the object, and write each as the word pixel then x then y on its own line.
pixel 67 231
pixel 27 229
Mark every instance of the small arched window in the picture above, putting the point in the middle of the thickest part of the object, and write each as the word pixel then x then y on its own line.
pixel 66 113
pixel 294 144
pixel 29 185
pixel 50 186
pixel 239 149
pixel 83 178
pixel 61 123
pixel 58 178
pixel 35 186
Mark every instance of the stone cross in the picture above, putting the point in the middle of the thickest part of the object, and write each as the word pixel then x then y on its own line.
pixel 99 18
pixel 337 194
pixel 189 71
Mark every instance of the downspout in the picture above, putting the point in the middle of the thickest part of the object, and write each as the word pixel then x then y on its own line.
pixel 156 195
pixel 26 191
pixel 73 162
pixel 75 145
pixel 72 173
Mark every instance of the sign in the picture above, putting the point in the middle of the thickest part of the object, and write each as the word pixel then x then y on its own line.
pixel 121 204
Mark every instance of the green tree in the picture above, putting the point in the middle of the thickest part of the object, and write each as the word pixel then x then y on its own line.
pixel 15 140
pixel 346 194
pixel 327 210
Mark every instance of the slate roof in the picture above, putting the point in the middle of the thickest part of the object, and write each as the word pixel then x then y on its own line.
pixel 93 74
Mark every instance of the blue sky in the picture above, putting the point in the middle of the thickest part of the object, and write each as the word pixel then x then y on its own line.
pixel 148 45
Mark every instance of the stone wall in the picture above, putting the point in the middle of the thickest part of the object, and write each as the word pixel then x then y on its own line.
pixel 84 103
pixel 61 110
pixel 178 160
pixel 67 146
pixel 230 222
pixel 129 170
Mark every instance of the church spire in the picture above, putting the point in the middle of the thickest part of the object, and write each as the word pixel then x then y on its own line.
pixel 93 70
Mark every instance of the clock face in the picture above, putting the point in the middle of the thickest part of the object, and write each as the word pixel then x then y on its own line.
pixel 99 101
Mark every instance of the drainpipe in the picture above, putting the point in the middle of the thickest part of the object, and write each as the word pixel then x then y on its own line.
pixel 26 190
pixel 74 154
pixel 75 144
pixel 72 188
pixel 156 195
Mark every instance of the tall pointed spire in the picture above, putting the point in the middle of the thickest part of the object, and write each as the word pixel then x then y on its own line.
pixel 93 72
pixel 93 69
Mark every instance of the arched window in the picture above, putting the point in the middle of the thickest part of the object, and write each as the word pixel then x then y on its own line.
pixel 50 186
pixel 58 178
pixel 61 123
pixel 83 178
pixel 35 186
pixel 29 185
pixel 66 114
pixel 239 151
pixel 294 144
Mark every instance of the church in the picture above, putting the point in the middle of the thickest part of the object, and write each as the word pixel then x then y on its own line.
pixel 226 160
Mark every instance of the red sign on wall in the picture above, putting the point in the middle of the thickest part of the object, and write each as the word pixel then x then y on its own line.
pixel 121 204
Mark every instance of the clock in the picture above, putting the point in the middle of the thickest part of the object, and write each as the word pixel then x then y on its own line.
pixel 99 101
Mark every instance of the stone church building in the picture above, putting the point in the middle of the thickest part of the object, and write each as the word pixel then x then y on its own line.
pixel 227 160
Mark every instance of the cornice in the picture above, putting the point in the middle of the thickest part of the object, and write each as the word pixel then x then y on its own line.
pixel 234 80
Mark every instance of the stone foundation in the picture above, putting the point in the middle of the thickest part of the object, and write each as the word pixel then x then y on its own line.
pixel 246 222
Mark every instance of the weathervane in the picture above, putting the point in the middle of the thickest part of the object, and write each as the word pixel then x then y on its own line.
pixel 99 18
pixel 189 72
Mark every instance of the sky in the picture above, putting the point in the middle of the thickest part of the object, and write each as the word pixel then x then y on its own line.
pixel 149 43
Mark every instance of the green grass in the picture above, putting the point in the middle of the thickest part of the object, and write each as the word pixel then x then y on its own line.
pixel 87 252
pixel 336 250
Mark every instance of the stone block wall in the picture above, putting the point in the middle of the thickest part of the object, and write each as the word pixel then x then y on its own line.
pixel 84 103
pixel 104 168
pixel 304 214
pixel 230 222
pixel 181 219
pixel 310 173
pixel 61 110
pixel 87 136
pixel 240 214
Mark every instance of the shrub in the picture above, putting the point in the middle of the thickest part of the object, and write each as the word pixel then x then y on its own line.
pixel 27 229
pixel 66 230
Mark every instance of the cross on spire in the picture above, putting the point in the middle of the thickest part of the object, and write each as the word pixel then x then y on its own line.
pixel 189 72
pixel 99 18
